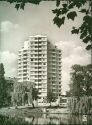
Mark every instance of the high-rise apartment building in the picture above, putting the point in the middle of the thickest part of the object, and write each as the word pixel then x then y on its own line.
pixel 39 61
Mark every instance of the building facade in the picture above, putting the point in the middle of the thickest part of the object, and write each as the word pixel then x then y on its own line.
pixel 39 61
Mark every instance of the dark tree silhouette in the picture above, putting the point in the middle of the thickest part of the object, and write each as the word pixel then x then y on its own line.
pixel 66 11
pixel 51 97
pixel 3 89
pixel 26 98
pixel 81 80
pixel 34 95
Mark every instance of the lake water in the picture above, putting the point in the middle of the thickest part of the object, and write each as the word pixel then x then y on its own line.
pixel 48 119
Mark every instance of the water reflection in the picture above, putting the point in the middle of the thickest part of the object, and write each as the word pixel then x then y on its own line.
pixel 61 119
pixel 48 119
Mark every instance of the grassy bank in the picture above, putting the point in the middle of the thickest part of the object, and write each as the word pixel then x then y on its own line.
pixel 25 112
pixel 6 120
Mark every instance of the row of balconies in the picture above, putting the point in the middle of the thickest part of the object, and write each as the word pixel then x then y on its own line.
pixel 38 64
pixel 38 55
pixel 34 74
pixel 36 42
pixel 33 54
pixel 54 73
pixel 38 76
pixel 36 70
pixel 38 51
pixel 42 41
pixel 40 71
pixel 35 62
pixel 43 47
pixel 40 80
pixel 38 67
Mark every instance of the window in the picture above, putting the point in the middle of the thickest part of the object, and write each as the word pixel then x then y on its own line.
pixel 24 74
pixel 24 66
pixel 53 54
pixel 40 55
pixel 25 58
pixel 39 46
pixel 24 70
pixel 39 50
pixel 36 80
pixel 40 42
pixel 36 46
pixel 40 59
pixel 53 50
pixel 39 76
pixel 31 59
pixel 39 80
pixel 36 63
pixel 39 63
pixel 19 63
pixel 25 63
pixel 36 54
pixel 39 94
pixel 24 54
pixel 36 50
pixel 31 55
pixel 24 50
pixel 39 38
pixel 36 67
pixel 35 38
pixel 44 63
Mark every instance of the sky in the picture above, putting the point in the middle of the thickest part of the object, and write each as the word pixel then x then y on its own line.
pixel 16 26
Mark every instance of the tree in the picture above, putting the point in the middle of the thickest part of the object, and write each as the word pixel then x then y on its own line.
pixel 34 95
pixel 3 88
pixel 66 11
pixel 51 97
pixel 81 80
pixel 81 89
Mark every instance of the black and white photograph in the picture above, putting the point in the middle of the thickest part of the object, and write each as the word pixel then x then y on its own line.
pixel 45 62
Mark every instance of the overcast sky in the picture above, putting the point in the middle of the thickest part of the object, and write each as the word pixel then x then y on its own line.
pixel 16 26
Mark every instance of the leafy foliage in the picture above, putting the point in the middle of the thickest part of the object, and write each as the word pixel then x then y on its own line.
pixel 59 21
pixel 81 78
pixel 2 72
pixel 34 94
pixel 71 15
pixel 67 10
pixel 81 106
pixel 51 97
pixel 3 87
pixel 20 4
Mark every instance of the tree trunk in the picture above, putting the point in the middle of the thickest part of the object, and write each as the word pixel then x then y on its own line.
pixel 33 105
pixel 50 104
